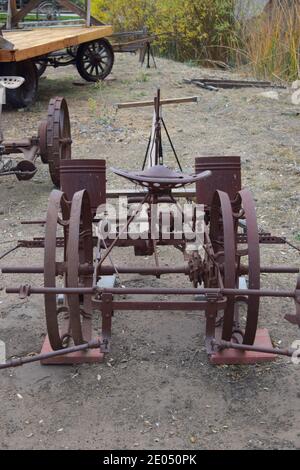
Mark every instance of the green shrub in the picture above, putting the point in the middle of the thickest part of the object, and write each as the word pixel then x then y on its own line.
pixel 196 29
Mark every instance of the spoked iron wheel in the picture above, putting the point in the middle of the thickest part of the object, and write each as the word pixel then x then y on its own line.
pixel 55 137
pixel 80 252
pixel 94 60
pixel 222 233
pixel 246 206
pixel 72 51
pixel 58 216
pixel 75 221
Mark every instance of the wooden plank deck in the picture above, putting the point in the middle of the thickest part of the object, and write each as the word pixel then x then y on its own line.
pixel 41 41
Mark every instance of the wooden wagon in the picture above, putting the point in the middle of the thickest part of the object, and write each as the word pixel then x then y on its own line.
pixel 22 49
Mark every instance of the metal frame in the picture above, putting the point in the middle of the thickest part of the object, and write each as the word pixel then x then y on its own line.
pixel 231 235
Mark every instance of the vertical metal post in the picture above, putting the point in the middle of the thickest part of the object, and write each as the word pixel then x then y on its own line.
pixel 2 101
pixel 107 313
pixel 88 12
pixel 148 55
pixel 9 16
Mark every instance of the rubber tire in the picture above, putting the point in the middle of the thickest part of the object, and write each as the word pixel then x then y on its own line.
pixel 79 61
pixel 25 95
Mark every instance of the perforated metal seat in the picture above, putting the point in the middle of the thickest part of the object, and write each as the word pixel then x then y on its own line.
pixel 11 82
pixel 160 177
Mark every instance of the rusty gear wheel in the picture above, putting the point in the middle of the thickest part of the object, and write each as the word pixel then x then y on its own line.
pixel 55 137
pixel 222 233
pixel 58 216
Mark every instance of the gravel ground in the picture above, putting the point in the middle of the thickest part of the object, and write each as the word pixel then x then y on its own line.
pixel 156 388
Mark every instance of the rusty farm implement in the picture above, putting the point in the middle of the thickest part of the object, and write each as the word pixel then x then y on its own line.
pixel 52 142
pixel 220 261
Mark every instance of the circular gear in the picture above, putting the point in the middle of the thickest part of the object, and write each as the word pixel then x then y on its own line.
pixel 55 137
pixel 79 252
pixel 246 205
pixel 58 215
pixel 222 234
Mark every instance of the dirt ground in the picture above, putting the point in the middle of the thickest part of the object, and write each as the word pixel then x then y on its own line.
pixel 156 388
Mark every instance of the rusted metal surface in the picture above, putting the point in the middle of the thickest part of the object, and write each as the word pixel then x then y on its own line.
pixel 27 290
pixel 226 176
pixel 58 137
pixel 52 144
pixel 40 357
pixel 58 215
pixel 76 175
pixel 160 178
pixel 77 256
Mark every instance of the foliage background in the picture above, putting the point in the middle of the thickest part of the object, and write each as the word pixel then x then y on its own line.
pixel 208 32
pixel 197 29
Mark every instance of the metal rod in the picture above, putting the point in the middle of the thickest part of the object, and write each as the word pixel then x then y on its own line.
pixel 273 269
pixel 88 13
pixel 193 305
pixel 171 143
pixel 246 347
pixel 140 104
pixel 9 251
pixel 150 291
pixel 33 222
pixel 60 352
pixel 105 270
pixel 115 193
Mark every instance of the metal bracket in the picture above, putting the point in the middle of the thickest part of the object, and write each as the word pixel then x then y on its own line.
pixel 24 291
pixel 295 319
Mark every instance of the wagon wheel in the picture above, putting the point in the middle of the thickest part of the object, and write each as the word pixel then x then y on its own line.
pixel 72 51
pixel 41 65
pixel 94 60
pixel 58 215
pixel 79 251
pixel 222 234
pixel 25 95
pixel 49 9
pixel 55 137
pixel 247 209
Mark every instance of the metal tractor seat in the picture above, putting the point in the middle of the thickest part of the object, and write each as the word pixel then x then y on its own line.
pixel 161 178
pixel 11 82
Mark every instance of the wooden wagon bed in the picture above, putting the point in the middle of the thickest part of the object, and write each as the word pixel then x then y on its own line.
pixel 41 41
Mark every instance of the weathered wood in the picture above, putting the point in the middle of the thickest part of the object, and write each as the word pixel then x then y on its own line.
pixel 42 41
pixel 20 15
pixel 13 6
pixel 79 11
pixel 139 104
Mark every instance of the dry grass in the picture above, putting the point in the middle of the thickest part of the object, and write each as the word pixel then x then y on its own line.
pixel 207 32
pixel 272 42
